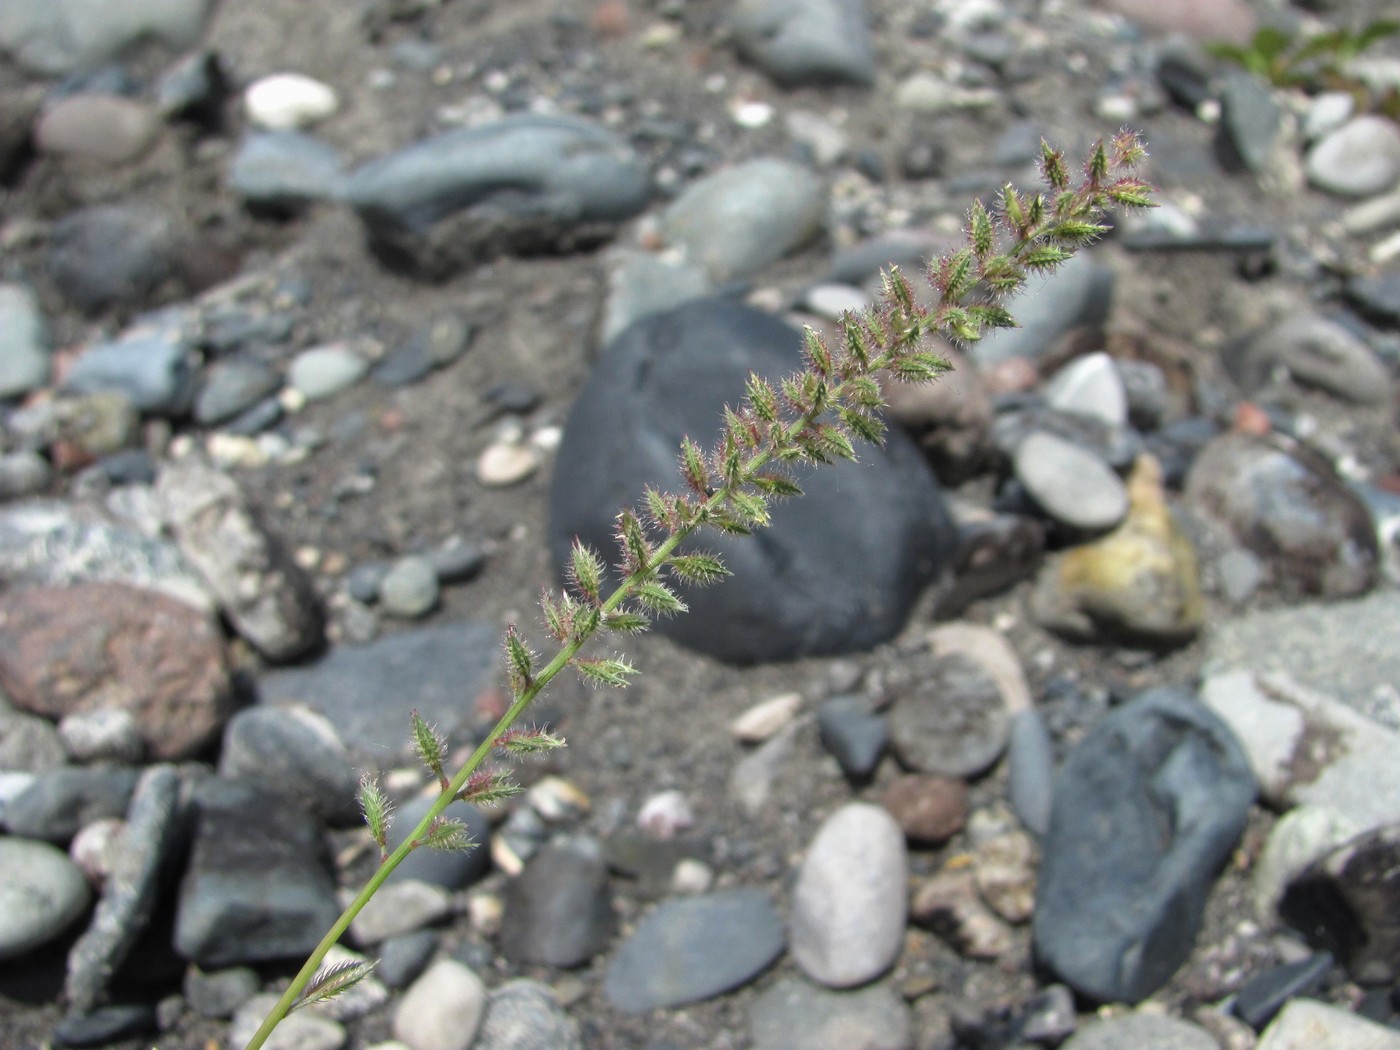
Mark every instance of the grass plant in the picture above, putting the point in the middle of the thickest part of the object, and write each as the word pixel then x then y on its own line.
pixel 816 415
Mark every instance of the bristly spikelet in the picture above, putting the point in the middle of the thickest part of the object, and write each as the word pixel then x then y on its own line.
pixel 448 835
pixel 332 981
pixel 586 572
pixel 520 662
pixel 377 811
pixel 431 746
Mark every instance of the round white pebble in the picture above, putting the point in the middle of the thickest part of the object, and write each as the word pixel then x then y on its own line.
pixel 287 101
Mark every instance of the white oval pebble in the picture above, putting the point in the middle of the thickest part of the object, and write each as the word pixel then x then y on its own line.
pixel 850 902
pixel 505 464
pixel 765 718
pixel 1070 483
pixel 287 101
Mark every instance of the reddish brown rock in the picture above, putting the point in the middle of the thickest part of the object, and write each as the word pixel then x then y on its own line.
pixel 96 646
pixel 929 809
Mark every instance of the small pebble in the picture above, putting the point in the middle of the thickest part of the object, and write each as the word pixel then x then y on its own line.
pixel 507 463
pixel 766 718
pixel 288 101
pixel 409 589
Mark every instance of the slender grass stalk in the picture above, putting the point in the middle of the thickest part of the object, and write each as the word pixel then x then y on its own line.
pixel 808 417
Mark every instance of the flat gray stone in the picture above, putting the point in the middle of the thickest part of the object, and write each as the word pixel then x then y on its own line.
pixel 432 669
pixel 24 341
pixel 1142 1032
pixel 42 894
pixel 807 41
pixel 793 1013
pixel 735 222
pixel 53 37
pixel 524 182
pixel 693 948
pixel 1147 807
pixel 1070 483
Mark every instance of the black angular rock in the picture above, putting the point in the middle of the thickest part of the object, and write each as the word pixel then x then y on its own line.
pixel 1147 807
pixel 1264 995
pixel 855 734
pixel 840 567
pixel 259 885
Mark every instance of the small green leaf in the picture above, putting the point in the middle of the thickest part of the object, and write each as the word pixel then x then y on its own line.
pixel 856 342
pixel 1014 209
pixel 960 275
pixel 614 672
pixel 1097 168
pixel 698 568
pixel 558 614
pixel 922 367
pixel 331 981
pixel 865 393
pixel 990 315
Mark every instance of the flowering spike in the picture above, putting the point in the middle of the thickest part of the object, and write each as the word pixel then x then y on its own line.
pixel 814 349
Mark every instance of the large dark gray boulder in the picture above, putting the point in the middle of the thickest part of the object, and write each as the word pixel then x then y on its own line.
pixel 839 568
pixel 1147 808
